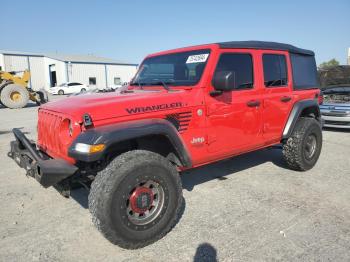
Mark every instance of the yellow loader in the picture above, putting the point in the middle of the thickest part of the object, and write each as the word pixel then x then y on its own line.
pixel 14 91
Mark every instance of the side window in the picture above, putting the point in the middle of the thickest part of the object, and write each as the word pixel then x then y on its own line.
pixel 242 67
pixel 275 70
pixel 74 84
pixel 92 81
pixel 117 81
pixel 304 71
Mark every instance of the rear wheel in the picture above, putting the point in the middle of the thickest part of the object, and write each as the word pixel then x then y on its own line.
pixel 14 96
pixel 302 149
pixel 83 90
pixel 41 97
pixel 60 92
pixel 136 199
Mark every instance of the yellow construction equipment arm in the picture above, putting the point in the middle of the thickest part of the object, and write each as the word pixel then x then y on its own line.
pixel 23 81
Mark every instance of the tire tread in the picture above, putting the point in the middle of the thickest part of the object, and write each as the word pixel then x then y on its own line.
pixel 102 186
pixel 292 148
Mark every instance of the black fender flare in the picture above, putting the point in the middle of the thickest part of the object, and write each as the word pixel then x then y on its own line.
pixel 109 135
pixel 295 113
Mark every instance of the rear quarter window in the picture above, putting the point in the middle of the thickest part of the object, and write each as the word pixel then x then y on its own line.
pixel 304 71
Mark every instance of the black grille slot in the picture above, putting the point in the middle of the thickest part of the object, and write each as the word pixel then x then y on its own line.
pixel 335 113
pixel 181 120
pixel 338 123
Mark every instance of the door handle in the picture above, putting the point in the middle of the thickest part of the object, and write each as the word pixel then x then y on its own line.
pixel 285 99
pixel 253 103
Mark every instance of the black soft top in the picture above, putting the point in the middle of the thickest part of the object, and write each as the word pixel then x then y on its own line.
pixel 266 45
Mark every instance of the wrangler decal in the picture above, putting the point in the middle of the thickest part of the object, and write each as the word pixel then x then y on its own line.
pixel 143 109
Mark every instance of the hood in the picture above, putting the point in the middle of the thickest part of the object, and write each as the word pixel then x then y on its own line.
pixel 336 89
pixel 110 105
pixel 335 106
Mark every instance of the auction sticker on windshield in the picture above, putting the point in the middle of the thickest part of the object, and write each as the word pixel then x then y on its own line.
pixel 197 58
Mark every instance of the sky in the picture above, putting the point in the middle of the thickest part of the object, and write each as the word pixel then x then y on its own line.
pixel 129 30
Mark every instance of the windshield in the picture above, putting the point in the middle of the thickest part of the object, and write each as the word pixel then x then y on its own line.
pixel 185 69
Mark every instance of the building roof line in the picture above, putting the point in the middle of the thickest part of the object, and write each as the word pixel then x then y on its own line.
pixel 99 63
pixel 83 59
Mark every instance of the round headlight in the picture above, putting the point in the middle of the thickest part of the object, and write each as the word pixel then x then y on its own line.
pixel 70 127
pixel 66 131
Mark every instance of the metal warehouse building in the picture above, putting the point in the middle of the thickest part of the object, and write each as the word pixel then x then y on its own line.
pixel 48 70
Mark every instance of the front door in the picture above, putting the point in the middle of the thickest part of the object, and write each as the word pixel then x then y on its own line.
pixel 234 117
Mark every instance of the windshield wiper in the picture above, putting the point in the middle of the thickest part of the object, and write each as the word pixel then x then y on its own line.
pixel 137 83
pixel 152 82
pixel 159 81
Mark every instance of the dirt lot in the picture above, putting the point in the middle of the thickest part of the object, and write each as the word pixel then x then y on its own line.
pixel 247 208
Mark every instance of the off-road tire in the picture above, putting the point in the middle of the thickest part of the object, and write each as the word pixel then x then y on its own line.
pixel 111 188
pixel 294 149
pixel 6 99
pixel 60 92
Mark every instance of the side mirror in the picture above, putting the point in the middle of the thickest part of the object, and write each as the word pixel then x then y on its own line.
pixel 224 80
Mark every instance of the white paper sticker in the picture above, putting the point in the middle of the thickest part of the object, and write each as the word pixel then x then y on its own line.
pixel 197 58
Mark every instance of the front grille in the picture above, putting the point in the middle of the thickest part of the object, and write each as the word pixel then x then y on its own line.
pixel 335 113
pixel 337 123
pixel 181 120
pixel 48 130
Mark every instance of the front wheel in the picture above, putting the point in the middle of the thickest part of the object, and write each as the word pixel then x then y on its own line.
pixel 136 199
pixel 14 96
pixel 302 149
pixel 60 92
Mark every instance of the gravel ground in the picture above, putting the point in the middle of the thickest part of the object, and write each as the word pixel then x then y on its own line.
pixel 247 208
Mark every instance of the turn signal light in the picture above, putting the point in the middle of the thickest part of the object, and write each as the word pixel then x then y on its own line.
pixel 89 149
pixel 97 148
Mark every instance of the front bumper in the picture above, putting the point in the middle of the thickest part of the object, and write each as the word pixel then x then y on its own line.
pixel 336 121
pixel 45 170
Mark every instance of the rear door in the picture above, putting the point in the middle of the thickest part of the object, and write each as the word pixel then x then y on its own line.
pixel 277 95
pixel 234 117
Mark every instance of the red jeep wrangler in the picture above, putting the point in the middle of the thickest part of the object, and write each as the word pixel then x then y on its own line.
pixel 184 108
